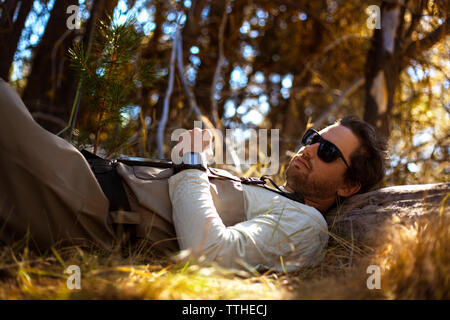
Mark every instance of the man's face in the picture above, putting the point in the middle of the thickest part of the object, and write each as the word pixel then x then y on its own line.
pixel 315 178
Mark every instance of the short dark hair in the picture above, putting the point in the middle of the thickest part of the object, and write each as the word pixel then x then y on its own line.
pixel 368 162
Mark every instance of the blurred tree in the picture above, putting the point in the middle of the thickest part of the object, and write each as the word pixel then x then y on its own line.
pixel 12 21
pixel 288 64
pixel 50 84
pixel 406 31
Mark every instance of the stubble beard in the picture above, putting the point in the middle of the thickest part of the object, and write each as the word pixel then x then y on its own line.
pixel 309 187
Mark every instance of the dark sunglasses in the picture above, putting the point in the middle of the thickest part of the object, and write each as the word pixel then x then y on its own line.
pixel 328 151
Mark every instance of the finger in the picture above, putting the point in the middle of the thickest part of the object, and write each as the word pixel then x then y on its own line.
pixel 207 134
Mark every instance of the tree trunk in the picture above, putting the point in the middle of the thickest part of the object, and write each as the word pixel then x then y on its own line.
pixel 50 85
pixel 363 216
pixel 383 67
pixel 392 50
pixel 10 31
pixel 209 56
pixel 152 51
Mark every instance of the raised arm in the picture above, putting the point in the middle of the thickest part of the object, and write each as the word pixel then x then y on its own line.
pixel 286 237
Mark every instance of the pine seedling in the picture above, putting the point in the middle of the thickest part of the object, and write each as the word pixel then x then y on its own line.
pixel 111 74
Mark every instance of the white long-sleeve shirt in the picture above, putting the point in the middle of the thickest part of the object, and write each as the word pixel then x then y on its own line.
pixel 279 233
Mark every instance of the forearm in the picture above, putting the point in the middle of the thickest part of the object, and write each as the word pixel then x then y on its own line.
pixel 197 223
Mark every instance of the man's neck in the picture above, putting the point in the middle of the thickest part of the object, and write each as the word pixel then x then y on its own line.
pixel 322 205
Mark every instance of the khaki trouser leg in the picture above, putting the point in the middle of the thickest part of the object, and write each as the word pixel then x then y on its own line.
pixel 47 190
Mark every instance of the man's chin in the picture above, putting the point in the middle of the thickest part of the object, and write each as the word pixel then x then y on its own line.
pixel 293 172
pixel 296 180
pixel 301 182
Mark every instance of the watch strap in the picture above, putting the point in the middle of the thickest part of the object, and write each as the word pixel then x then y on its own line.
pixel 191 160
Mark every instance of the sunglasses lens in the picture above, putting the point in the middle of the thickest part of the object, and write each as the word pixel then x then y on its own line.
pixel 310 137
pixel 327 152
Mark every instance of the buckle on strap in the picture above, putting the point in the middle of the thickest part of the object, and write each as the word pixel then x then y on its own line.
pixel 253 180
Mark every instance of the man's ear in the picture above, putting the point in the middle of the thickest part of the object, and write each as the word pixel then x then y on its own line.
pixel 348 189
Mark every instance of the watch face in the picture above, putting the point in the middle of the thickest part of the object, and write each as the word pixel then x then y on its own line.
pixel 193 158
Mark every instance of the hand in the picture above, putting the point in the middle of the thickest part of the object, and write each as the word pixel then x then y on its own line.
pixel 197 140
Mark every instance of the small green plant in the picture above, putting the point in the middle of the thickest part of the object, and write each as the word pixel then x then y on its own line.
pixel 111 75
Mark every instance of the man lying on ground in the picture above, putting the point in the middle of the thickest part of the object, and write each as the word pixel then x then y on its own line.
pixel 52 193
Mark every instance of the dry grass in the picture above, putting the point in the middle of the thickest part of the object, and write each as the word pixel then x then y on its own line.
pixel 414 261
pixel 26 275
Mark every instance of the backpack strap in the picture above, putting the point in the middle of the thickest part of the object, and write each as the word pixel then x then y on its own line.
pixel 109 180
pixel 113 188
pixel 260 182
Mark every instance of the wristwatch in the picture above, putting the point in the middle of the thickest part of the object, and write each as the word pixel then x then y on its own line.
pixel 191 160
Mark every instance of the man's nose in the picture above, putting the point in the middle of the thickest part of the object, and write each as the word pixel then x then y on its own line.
pixel 311 150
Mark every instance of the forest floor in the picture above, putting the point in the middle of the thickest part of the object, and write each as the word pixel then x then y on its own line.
pixel 414 262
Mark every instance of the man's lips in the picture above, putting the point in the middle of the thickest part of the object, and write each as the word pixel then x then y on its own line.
pixel 299 161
